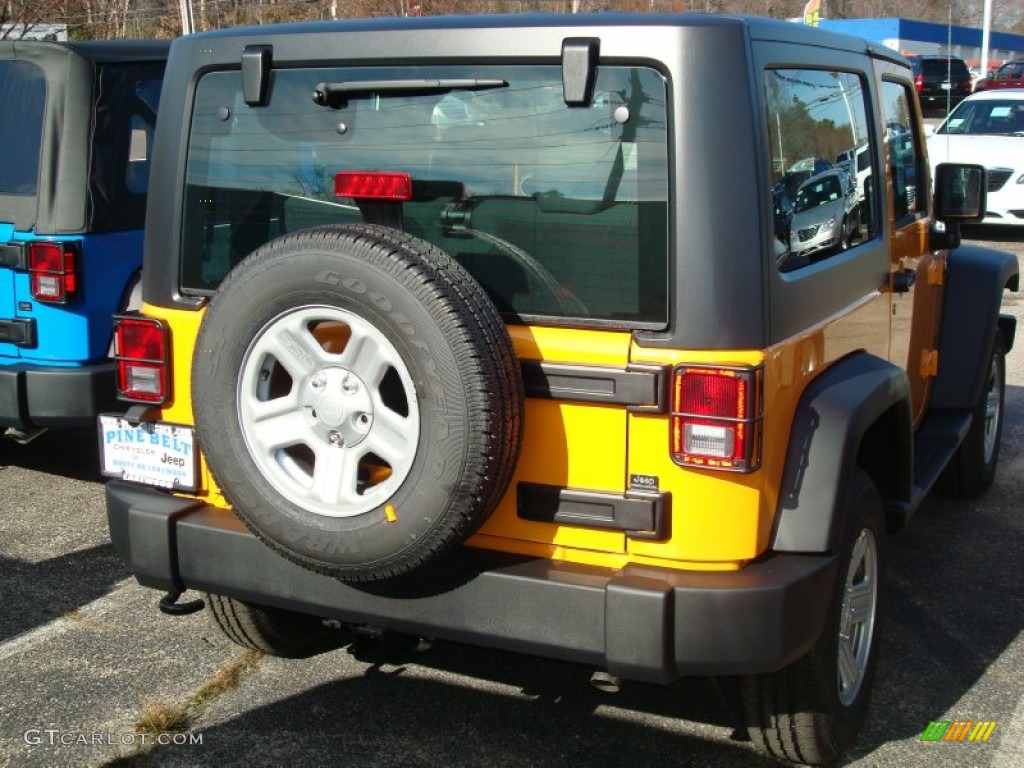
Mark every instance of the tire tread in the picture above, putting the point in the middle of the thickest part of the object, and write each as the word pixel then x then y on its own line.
pixel 968 475
pixel 794 714
pixel 268 630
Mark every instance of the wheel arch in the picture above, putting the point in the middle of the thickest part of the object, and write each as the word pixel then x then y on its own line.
pixel 856 413
pixel 975 281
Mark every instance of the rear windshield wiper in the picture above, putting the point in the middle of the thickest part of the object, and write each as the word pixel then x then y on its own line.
pixel 330 94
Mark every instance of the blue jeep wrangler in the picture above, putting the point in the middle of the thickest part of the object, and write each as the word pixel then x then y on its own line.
pixel 76 126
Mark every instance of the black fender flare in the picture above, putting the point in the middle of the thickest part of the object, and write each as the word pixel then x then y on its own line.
pixel 861 400
pixel 976 278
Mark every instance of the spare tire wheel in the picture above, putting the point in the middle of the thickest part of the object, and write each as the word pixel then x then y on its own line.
pixel 357 400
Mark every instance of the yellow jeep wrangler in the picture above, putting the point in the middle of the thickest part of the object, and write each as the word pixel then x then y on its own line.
pixel 520 331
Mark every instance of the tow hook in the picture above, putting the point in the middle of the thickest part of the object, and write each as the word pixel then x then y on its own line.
pixel 22 436
pixel 169 604
pixel 605 681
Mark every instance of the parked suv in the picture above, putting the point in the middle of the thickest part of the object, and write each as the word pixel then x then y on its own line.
pixel 77 126
pixel 1009 75
pixel 941 81
pixel 487 329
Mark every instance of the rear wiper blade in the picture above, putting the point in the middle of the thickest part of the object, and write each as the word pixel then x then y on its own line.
pixel 326 93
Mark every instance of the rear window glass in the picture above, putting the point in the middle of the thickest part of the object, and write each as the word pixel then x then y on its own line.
pixel 22 103
pixel 943 67
pixel 557 211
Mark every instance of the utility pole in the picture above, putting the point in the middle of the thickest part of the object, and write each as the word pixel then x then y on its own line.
pixel 986 26
pixel 188 25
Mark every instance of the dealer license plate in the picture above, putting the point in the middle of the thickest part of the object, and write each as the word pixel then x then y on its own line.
pixel 153 453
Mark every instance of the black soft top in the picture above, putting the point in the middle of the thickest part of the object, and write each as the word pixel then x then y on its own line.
pixel 98 51
pixel 90 90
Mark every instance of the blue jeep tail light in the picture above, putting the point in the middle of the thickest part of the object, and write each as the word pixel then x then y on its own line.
pixel 53 270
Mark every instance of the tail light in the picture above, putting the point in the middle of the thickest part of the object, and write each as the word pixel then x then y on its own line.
pixel 919 83
pixel 140 351
pixel 53 270
pixel 716 417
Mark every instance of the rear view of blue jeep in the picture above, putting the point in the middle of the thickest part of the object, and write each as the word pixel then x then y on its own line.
pixel 76 127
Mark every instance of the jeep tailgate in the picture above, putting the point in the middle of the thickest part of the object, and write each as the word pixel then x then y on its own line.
pixel 569 489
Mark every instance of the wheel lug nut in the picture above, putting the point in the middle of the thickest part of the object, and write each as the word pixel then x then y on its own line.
pixel 318 381
pixel 335 438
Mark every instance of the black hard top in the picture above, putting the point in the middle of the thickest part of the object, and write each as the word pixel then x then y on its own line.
pixel 716 148
pixel 758 28
pixel 761 28
pixel 77 151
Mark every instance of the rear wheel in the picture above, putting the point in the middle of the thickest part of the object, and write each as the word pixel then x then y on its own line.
pixel 845 235
pixel 811 711
pixel 973 468
pixel 272 631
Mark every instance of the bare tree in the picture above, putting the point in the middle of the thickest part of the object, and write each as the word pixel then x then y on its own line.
pixel 161 18
pixel 19 18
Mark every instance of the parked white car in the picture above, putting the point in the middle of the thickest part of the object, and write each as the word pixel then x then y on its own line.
pixel 987 128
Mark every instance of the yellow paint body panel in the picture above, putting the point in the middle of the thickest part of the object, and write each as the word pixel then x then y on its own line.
pixel 184 328
pixel 917 314
pixel 570 445
pixel 727 516
pixel 719 520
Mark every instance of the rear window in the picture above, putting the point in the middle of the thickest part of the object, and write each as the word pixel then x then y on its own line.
pixel 941 67
pixel 22 103
pixel 557 211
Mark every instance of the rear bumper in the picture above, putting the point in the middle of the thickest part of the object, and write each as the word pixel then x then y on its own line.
pixel 38 396
pixel 639 623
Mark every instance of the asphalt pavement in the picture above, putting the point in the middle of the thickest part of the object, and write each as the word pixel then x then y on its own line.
pixel 92 674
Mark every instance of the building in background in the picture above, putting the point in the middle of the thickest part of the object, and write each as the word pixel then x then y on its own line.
pixel 914 38
pixel 34 32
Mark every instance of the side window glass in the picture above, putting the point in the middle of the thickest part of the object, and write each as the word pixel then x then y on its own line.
pixel 904 154
pixel 22 94
pixel 148 92
pixel 137 175
pixel 147 99
pixel 822 174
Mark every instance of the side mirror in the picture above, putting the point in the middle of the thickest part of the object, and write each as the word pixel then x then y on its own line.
pixel 960 193
pixel 960 198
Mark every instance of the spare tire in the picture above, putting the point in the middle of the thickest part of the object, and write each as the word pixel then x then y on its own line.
pixel 357 400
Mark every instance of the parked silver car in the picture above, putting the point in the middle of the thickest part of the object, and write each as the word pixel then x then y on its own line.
pixel 824 213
